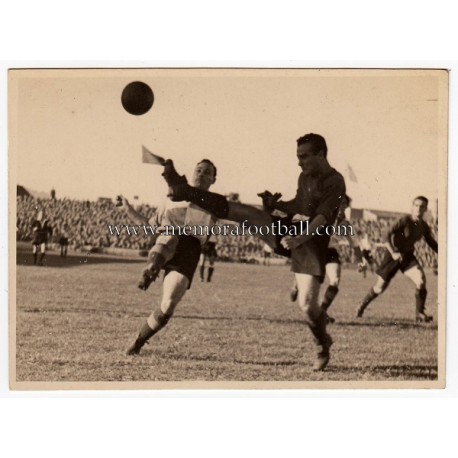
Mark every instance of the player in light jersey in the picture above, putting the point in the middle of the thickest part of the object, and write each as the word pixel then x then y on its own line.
pixel 333 263
pixel 183 251
pixel 319 194
pixel 365 248
pixel 399 255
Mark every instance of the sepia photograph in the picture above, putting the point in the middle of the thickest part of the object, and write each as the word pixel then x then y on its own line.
pixel 210 228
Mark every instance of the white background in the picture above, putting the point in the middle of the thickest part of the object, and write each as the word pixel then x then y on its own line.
pixel 255 34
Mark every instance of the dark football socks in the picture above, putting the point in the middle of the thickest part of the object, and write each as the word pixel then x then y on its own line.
pixel 420 299
pixel 371 295
pixel 329 296
pixel 210 273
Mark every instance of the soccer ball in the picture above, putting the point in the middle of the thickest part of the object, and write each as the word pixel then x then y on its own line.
pixel 137 98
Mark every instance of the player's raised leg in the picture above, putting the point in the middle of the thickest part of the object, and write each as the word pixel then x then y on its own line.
pixel 174 288
pixel 308 289
pixel 218 204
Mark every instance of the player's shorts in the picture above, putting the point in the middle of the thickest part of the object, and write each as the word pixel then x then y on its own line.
pixel 209 249
pixel 310 257
pixel 63 241
pixel 186 257
pixel 267 254
pixel 37 238
pixel 332 256
pixel 366 254
pixel 389 267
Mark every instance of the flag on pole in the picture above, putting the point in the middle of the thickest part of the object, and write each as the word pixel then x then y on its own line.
pixel 351 174
pixel 149 158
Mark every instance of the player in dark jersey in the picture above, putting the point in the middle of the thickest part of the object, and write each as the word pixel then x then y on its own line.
pixel 41 232
pixel 319 194
pixel 399 255
pixel 208 253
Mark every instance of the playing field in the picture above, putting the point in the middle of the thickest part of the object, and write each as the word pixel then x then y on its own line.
pixel 77 316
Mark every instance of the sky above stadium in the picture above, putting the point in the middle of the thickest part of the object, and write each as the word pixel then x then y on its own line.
pixel 385 130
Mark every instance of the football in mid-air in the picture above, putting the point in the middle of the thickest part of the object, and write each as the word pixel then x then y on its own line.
pixel 137 98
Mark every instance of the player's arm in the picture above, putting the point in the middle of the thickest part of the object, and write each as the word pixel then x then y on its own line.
pixel 288 206
pixel 133 214
pixel 430 240
pixel 271 202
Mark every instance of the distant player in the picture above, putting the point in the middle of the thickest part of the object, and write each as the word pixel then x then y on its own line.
pixel 320 191
pixel 267 253
pixel 186 250
pixel 365 248
pixel 208 254
pixel 333 262
pixel 41 232
pixel 399 255
pixel 63 244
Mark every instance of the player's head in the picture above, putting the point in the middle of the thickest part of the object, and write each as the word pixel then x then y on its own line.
pixel 419 206
pixel 311 152
pixel 204 174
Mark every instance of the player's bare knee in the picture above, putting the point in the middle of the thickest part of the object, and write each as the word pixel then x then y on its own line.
pixel 421 283
pixel 158 319
pixel 168 306
pixel 380 287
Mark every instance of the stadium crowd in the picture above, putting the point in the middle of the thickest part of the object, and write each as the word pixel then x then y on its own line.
pixel 85 224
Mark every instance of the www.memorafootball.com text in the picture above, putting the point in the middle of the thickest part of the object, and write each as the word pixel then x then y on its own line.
pixel 276 228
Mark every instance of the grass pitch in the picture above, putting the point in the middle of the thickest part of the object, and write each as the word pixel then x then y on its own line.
pixel 76 317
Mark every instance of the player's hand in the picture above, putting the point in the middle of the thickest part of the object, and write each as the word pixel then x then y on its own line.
pixel 269 200
pixel 290 243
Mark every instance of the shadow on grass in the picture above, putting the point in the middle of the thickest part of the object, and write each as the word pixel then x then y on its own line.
pixel 241 318
pixel 286 321
pixel 25 258
pixel 427 372
pixel 404 324
pixel 215 359
pixel 375 324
